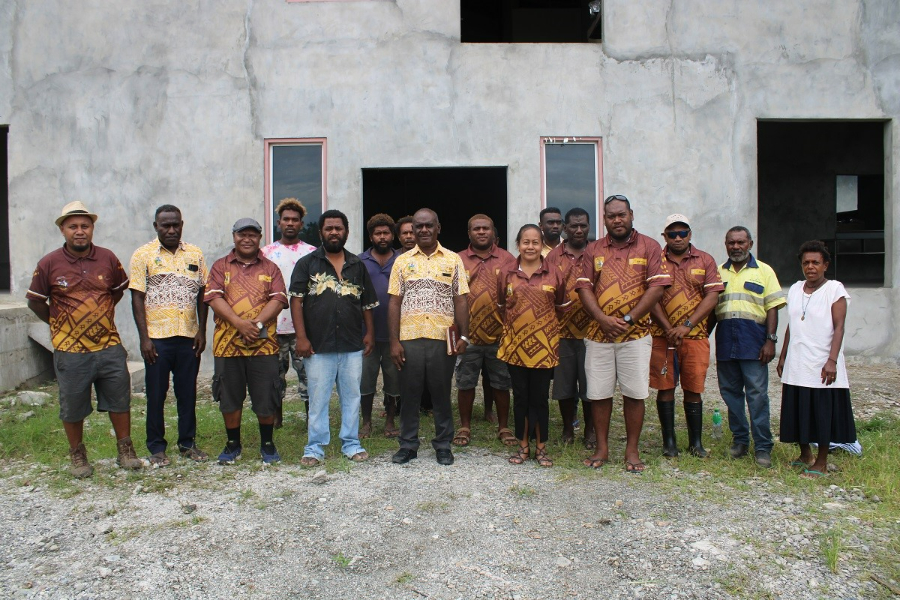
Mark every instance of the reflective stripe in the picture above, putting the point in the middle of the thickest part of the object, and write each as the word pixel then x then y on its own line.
pixel 666 275
pixel 738 314
pixel 33 293
pixel 740 296
pixel 774 296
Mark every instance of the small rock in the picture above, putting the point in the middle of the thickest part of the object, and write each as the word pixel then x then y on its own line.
pixel 876 499
pixel 112 558
pixel 28 585
pixel 620 503
pixel 104 572
pixel 562 562
pixel 104 528
pixel 33 398
pixel 25 416
pixel 700 562
pixel 188 508
pixel 319 477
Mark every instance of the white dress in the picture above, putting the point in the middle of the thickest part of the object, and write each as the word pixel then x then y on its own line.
pixel 812 330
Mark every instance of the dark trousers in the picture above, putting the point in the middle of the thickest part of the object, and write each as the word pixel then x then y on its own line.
pixel 428 366
pixel 175 356
pixel 531 410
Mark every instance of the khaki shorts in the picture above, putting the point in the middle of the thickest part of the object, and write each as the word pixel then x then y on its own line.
pixel 627 363
pixel 691 365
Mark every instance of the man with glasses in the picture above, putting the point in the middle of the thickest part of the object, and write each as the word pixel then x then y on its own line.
pixel 551 227
pixel 569 377
pixel 681 336
pixel 623 276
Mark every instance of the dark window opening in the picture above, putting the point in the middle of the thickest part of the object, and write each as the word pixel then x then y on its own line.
pixel 454 193
pixel 823 180
pixel 530 21
pixel 5 270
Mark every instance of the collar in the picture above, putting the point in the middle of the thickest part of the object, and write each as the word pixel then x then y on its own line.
pixel 691 252
pixel 631 239
pixel 565 249
pixel 545 267
pixel 492 253
pixel 349 258
pixel 438 250
pixel 299 244
pixel 233 257
pixel 160 247
pixel 368 255
pixel 72 258
pixel 750 263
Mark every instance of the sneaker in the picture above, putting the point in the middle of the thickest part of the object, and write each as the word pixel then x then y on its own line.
pixel 127 458
pixel 80 467
pixel 194 453
pixel 270 455
pixel 764 459
pixel 230 454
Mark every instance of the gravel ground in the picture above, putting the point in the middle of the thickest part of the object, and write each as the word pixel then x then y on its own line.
pixel 477 529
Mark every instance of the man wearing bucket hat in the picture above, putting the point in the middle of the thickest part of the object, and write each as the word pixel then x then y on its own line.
pixel 246 291
pixel 75 290
pixel 681 334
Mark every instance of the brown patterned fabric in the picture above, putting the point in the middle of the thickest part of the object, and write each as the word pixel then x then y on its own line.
pixel 247 288
pixel 574 323
pixel 619 276
pixel 530 326
pixel 693 278
pixel 82 311
pixel 485 326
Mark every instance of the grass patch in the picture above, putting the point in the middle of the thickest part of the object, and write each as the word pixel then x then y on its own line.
pixel 830 545
pixel 403 578
pixel 341 560
pixel 523 491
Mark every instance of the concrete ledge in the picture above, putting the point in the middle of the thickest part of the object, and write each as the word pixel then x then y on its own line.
pixel 22 360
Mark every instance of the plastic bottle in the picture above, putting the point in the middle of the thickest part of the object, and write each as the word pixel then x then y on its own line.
pixel 717 424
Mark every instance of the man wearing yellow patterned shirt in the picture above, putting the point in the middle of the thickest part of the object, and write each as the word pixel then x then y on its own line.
pixel 427 289
pixel 168 278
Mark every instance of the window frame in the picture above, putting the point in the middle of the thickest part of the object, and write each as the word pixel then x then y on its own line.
pixel 597 142
pixel 268 201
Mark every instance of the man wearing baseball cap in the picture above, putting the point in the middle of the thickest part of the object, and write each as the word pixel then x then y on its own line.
pixel 681 334
pixel 75 290
pixel 246 292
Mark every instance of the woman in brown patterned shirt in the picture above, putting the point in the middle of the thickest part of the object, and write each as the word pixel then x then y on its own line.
pixel 530 294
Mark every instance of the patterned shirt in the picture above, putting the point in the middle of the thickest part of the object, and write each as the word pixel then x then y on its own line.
pixel 741 311
pixel 381 277
pixel 427 286
pixel 247 288
pixel 619 276
pixel 693 278
pixel 530 327
pixel 485 326
pixel 286 256
pixel 80 288
pixel 574 323
pixel 333 306
pixel 171 282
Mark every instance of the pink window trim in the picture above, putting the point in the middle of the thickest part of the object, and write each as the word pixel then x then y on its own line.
pixel 598 142
pixel 268 202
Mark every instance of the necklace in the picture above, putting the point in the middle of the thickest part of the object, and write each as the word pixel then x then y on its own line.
pixel 808 298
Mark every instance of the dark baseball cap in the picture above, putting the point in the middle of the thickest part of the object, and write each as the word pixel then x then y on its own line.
pixel 246 223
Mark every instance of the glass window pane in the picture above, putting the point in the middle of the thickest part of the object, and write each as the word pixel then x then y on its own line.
pixel 297 173
pixel 571 178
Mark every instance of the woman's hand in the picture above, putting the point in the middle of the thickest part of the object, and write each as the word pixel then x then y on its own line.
pixel 780 366
pixel 829 371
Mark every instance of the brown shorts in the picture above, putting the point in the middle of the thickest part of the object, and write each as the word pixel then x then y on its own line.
pixel 692 364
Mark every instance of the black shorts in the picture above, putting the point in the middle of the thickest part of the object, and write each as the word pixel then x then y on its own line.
pixel 234 376
pixel 106 370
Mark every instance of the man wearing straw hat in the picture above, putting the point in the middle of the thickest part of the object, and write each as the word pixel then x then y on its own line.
pixel 75 290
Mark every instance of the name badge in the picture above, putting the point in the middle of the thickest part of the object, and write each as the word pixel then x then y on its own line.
pixel 548 288
pixel 598 263
pixel 637 261
pixel 193 268
pixel 227 277
pixel 698 271
pixel 266 278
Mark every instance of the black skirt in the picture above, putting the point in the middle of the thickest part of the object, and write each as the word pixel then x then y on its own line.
pixel 816 415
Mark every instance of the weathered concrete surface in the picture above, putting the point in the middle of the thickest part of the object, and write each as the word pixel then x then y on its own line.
pixel 21 359
pixel 130 106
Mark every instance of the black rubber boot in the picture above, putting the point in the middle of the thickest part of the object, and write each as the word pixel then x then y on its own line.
pixel 666 412
pixel 693 414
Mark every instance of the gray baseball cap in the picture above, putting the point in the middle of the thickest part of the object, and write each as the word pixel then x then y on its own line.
pixel 246 223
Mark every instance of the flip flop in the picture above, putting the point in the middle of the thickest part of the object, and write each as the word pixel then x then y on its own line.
pixel 812 474
pixel 596 463
pixel 799 463
pixel 359 456
pixel 635 468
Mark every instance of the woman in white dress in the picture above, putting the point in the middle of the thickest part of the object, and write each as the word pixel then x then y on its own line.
pixel 815 398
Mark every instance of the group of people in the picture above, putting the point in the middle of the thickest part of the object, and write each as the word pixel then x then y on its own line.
pixel 587 316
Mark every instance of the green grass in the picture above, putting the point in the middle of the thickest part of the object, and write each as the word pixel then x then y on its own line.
pixel 830 545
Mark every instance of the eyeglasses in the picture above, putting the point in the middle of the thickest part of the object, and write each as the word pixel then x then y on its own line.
pixel 678 234
pixel 619 197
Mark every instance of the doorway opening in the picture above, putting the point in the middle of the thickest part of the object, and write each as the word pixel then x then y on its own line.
pixel 823 180
pixel 5 269
pixel 454 193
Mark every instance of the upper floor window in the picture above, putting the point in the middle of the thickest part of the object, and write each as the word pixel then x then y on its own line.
pixel 572 175
pixel 530 21
pixel 296 168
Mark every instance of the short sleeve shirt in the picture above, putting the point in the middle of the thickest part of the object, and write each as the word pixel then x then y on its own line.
pixel 741 311
pixel 812 331
pixel 619 276
pixel 485 325
pixel 381 277
pixel 247 288
pixel 693 278
pixel 80 288
pixel 333 306
pixel 286 256
pixel 530 327
pixel 574 323
pixel 171 282
pixel 427 286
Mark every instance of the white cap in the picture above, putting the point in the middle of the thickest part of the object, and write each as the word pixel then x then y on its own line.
pixel 676 218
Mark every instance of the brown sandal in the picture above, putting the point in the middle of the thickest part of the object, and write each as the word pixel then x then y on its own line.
pixel 463 437
pixel 541 457
pixel 506 436
pixel 521 455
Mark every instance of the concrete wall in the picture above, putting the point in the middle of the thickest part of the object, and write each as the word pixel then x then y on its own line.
pixel 130 105
pixel 21 359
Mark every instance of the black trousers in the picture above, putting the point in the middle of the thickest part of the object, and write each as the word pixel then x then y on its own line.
pixel 175 356
pixel 531 409
pixel 428 366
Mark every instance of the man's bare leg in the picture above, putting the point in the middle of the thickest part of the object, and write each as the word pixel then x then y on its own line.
pixel 121 422
pixel 601 412
pixel 567 410
pixel 75 433
pixel 634 422
pixel 466 401
pixel 490 397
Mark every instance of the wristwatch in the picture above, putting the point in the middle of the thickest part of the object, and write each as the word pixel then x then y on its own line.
pixel 629 320
pixel 688 324
pixel 772 337
pixel 465 339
